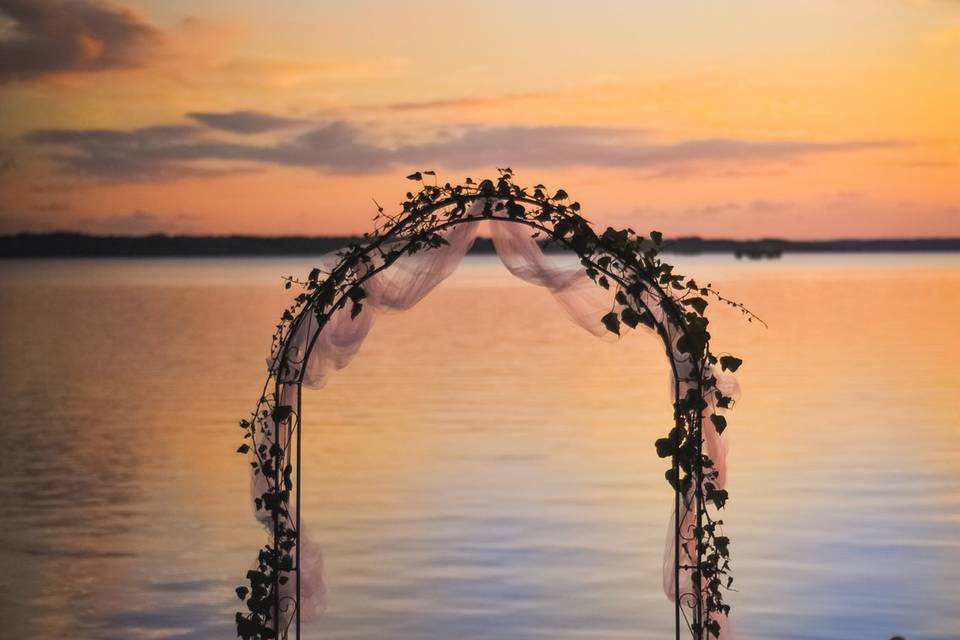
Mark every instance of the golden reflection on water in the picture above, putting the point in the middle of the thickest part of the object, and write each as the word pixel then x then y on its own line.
pixel 484 469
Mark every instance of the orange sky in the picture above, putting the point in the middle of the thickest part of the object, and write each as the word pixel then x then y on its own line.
pixel 813 119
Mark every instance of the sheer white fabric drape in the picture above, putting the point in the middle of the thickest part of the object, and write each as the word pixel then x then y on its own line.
pixel 409 280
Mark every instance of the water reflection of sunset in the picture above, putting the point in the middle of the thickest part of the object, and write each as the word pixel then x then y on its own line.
pixel 496 473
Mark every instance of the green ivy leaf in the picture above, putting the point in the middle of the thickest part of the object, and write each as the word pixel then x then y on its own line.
pixel 281 413
pixel 630 317
pixel 692 343
pixel 244 448
pixel 611 322
pixel 665 448
pixel 723 544
pixel 673 477
pixel 515 210
pixel 719 422
pixel 719 497
pixel 648 320
pixel 714 628
pixel 697 303
pixel 730 363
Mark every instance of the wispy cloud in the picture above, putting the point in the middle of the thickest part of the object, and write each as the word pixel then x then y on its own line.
pixel 348 148
pixel 245 121
pixel 48 37
pixel 136 222
pixel 133 223
pixel 755 208
pixel 559 146
pixel 460 103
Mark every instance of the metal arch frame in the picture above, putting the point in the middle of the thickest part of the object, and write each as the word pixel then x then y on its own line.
pixel 693 498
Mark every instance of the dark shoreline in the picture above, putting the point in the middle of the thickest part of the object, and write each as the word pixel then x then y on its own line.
pixel 65 245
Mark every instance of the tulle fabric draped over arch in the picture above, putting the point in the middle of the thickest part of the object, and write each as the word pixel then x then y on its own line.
pixel 308 356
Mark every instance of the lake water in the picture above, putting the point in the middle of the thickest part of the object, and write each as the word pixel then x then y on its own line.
pixel 484 469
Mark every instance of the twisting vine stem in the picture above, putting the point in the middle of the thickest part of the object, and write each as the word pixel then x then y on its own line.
pixel 646 292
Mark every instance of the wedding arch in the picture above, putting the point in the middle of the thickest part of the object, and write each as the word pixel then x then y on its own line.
pixel 620 283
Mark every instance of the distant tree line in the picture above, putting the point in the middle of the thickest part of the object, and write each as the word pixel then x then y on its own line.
pixel 63 244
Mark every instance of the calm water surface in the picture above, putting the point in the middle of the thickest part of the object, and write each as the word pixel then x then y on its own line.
pixel 484 469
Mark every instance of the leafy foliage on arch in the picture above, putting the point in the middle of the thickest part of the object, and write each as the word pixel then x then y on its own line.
pixel 647 293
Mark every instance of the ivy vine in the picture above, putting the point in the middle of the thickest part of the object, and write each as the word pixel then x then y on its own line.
pixel 616 259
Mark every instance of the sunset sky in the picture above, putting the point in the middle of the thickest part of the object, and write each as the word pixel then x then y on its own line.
pixel 806 119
